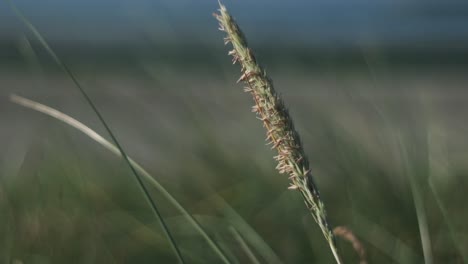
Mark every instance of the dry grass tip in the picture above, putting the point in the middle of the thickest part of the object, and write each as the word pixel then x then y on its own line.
pixel 347 234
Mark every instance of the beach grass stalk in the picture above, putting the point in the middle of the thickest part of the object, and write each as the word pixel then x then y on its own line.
pixel 281 133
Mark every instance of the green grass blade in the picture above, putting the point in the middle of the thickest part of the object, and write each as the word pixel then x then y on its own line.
pixel 250 234
pixel 244 245
pixel 380 238
pixel 447 220
pixel 418 204
pixel 64 67
pixel 112 148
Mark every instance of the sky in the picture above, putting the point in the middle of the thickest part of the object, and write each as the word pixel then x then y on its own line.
pixel 321 22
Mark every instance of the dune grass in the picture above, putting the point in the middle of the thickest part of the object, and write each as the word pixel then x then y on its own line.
pixel 281 133
pixel 374 209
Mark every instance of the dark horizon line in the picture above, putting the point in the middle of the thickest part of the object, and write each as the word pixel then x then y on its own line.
pixel 205 55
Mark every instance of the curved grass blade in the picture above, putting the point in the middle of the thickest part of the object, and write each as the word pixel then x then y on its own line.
pixel 248 231
pixel 244 245
pixel 64 67
pixel 112 148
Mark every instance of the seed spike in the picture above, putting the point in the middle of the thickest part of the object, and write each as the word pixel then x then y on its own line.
pixel 281 134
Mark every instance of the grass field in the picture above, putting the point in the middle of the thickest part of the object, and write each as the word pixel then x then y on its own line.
pixel 383 142
pixel 382 125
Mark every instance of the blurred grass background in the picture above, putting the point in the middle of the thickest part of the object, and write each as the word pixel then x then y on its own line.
pixel 380 105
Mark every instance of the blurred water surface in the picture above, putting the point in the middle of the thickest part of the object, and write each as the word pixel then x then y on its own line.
pixel 337 22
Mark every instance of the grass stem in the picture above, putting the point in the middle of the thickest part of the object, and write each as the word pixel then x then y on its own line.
pixel 281 133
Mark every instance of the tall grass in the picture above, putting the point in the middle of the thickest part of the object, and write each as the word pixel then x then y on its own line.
pixel 281 133
pixel 379 213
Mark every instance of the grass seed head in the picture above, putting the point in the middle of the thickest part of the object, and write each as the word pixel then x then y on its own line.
pixel 281 134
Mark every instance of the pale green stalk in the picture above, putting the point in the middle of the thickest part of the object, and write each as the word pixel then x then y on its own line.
pixel 280 128
pixel 418 204
pixel 244 245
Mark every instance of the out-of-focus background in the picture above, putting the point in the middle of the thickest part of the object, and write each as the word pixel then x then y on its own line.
pixel 377 90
